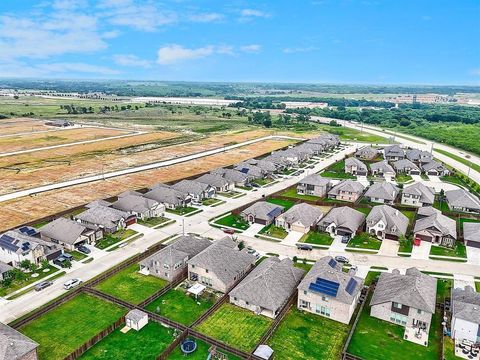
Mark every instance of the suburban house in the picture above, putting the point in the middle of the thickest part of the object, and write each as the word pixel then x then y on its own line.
pixel 266 166
pixel 435 168
pixel 418 157
pixel 70 234
pixel 427 211
pixel 16 346
pixel 383 168
pixel 300 217
pixel 382 192
pixel 437 229
pixel 355 167
pixel 220 265
pixel 393 153
pixel 136 204
pixel 261 212
pixel 313 184
pixel 329 141
pixel 253 171
pixel 316 148
pixel 16 247
pixel 343 221
pixel 217 181
pixel 328 291
pixel 407 300
pixel 462 200
pixel 169 197
pixel 268 287
pixel 99 215
pixel 407 167
pixel 233 176
pixel 466 315
pixel 366 153
pixel 418 195
pixel 171 261
pixel 5 271
pixel 346 190
pixel 471 234
pixel 280 162
pixel 197 190
pixel 386 222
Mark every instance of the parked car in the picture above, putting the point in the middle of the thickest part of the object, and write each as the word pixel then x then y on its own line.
pixel 42 285
pixel 254 185
pixel 345 239
pixel 304 247
pixel 341 259
pixel 60 261
pixel 67 256
pixel 84 249
pixel 229 231
pixel 254 253
pixel 70 284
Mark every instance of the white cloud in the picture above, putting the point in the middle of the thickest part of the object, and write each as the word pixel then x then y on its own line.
pixel 299 49
pixel 206 17
pixel 172 54
pixel 131 60
pixel 250 14
pixel 475 72
pixel 225 49
pixel 252 48
pixel 76 67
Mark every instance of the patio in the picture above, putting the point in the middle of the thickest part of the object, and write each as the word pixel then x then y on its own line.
pixel 466 350
pixel 416 335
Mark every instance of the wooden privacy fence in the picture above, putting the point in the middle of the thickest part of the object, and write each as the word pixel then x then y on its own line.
pixel 164 355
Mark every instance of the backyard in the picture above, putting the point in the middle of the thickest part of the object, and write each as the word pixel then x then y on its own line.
pixel 145 344
pixel 234 221
pixel 306 336
pixel 110 239
pixel 235 326
pixel 337 171
pixel 131 286
pixel 317 238
pixel 459 251
pixel 287 204
pixel 273 231
pixel 292 193
pixel 54 330
pixel 200 354
pixel 364 241
pixel 181 307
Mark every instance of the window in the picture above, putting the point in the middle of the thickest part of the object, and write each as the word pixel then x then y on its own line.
pixel 324 298
pixel 397 305
pixel 398 318
pixel 206 270
pixel 419 312
pixel 323 310
pixel 193 266
pixel 305 292
pixel 235 298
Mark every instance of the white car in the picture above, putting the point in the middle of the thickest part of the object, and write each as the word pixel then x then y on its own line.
pixel 70 284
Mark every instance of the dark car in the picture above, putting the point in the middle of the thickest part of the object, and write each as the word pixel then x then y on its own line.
pixel 229 231
pixel 42 285
pixel 341 259
pixel 304 247
pixel 67 256
pixel 84 249
pixel 254 185
pixel 345 239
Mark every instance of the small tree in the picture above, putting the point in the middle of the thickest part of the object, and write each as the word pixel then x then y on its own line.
pixel 241 245
pixel 25 264
pixel 67 264
pixel 45 263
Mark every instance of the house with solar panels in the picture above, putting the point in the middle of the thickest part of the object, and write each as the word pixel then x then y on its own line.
pixel 328 291
pixel 262 212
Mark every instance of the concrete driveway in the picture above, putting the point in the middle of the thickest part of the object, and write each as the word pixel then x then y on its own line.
pixel 337 244
pixel 473 255
pixel 292 238
pixel 422 251
pixel 389 247
pixel 253 229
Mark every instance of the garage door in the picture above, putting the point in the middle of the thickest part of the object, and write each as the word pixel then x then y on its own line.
pixel 473 244
pixel 414 172
pixel 343 232
pixel 131 221
pixel 424 237
pixel 391 237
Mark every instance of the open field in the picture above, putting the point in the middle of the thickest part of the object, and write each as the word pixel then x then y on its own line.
pixel 22 125
pixel 53 331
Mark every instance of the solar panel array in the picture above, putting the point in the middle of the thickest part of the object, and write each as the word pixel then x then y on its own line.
pixel 332 263
pixel 324 286
pixel 6 242
pixel 275 212
pixel 28 230
pixel 352 284
pixel 244 170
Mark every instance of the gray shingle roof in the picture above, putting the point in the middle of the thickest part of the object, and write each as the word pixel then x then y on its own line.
pixel 382 190
pixel 433 165
pixel 462 198
pixel 64 230
pixel 466 304
pixel 316 180
pixel 263 210
pixel 427 211
pixel 382 166
pixel 5 267
pixel 404 165
pixel 262 164
pixel 15 241
pixel 413 289
pixel 439 221
pixel 191 187
pixel 270 284
pixel 103 215
pixel 471 231
pixel 395 222
pixel 135 203
pixel 13 344
pixel 394 150
pixel 366 152
pixel 213 180
pixel 352 161
pixel 427 194
pixel 224 260
pixel 231 175
pixel 418 155
pixel 250 170
pixel 344 216
pixel 347 185
pixel 166 195
pixel 322 269
pixel 307 215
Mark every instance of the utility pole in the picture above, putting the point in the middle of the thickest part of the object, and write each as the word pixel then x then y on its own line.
pixel 183 226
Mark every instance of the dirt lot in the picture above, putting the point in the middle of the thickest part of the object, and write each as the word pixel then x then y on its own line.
pixel 28 209
pixel 21 125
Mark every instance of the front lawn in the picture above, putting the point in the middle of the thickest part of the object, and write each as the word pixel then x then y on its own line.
pixel 292 193
pixel 154 221
pixel 235 326
pixel 406 246
pixel 229 194
pixel 364 241
pixel 63 329
pixel 403 178
pixel 181 307
pixel 317 238
pixel 274 231
pixel 200 354
pixel 145 344
pixel 234 221
pixel 77 255
pixel 129 285
pixel 181 211
pixel 302 335
pixel 459 251
pixel 211 202
pixel 287 204
pixel 21 279
pixel 110 239
pixel 262 182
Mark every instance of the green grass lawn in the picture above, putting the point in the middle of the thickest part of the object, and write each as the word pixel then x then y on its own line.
pixel 371 276
pixel 235 326
pixel 77 255
pixel 364 241
pixel 17 284
pixel 459 251
pixel 403 178
pixel 181 307
pixel 62 330
pixel 465 220
pixel 145 344
pixel 292 193
pixel 200 354
pixel 306 336
pixel 460 159
pixel 287 204
pixel 234 221
pixel 182 210
pixel 130 285
pixel 409 214
pixel 477 286
pixel 262 182
pixel 110 239
pixel 211 201
pixel 317 238
pixel 406 246
pixel 274 231
pixel 364 210
pixel 229 194
pixel 303 265
pixel 337 171
pixel 441 205
pixel 154 221
pixel 346 133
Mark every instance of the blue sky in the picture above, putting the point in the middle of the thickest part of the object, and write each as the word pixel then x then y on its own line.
pixel 333 41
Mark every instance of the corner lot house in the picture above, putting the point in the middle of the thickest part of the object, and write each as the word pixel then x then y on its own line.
pixel 171 261
pixel 101 216
pixel 68 233
pixel 466 315
pixel 220 265
pixel 5 270
pixel 343 221
pixel 462 200
pixel 313 185
pixel 384 193
pixel 136 204
pixel 407 167
pixel 300 217
pixel 355 167
pixel 435 168
pixel 383 168
pixel 407 300
pixel 169 197
pixel 16 346
pixel 346 190
pixel 418 157
pixel 385 222
pixel 393 153
pixel 471 234
pixel 217 181
pixel 261 212
pixel 328 291
pixel 366 153
pixel 268 287
pixel 418 195
pixel 437 229
pixel 197 190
